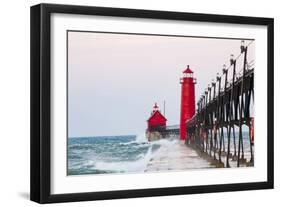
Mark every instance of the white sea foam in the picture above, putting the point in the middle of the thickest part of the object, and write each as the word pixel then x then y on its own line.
pixel 140 165
pixel 141 138
pixel 175 155
pixel 127 166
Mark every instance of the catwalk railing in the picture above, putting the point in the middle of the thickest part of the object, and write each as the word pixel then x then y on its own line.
pixel 223 126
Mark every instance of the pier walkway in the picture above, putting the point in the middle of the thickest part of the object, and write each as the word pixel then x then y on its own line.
pixel 176 156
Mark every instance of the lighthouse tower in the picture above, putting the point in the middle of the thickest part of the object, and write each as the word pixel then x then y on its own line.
pixel 187 100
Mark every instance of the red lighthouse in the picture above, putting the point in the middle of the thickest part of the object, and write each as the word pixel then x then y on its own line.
pixel 156 119
pixel 187 99
pixel 156 124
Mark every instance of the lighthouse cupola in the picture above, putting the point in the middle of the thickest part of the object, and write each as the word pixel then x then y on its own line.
pixel 187 100
pixel 155 108
pixel 188 73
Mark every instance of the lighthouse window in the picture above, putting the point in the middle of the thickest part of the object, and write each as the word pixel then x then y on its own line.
pixel 188 75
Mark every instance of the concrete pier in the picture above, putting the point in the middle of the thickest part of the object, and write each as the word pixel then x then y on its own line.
pixel 177 156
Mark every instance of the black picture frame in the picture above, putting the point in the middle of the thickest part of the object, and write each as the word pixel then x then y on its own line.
pixel 41 98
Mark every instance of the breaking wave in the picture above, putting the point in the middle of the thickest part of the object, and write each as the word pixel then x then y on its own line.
pixel 94 155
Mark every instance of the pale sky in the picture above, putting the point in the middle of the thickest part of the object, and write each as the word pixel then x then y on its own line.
pixel 115 79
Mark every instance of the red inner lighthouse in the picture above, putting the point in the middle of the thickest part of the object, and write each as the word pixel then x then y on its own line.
pixel 156 120
pixel 187 100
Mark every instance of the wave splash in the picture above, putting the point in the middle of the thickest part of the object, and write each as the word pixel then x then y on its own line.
pixel 140 164
pixel 126 166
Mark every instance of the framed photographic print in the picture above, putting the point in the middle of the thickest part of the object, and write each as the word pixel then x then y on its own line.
pixel 133 103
